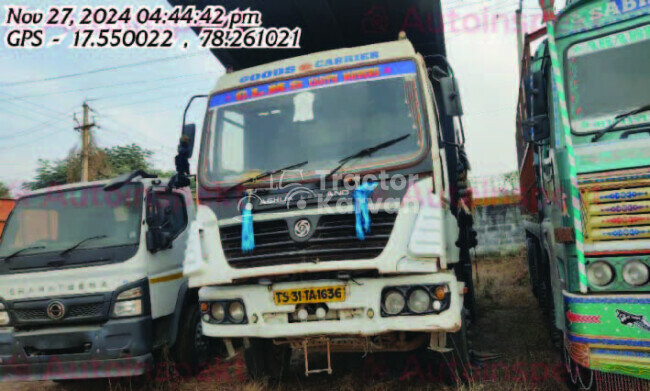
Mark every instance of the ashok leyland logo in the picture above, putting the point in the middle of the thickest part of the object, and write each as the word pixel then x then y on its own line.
pixel 55 310
pixel 302 228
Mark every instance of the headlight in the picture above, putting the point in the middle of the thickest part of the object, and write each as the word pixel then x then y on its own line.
pixel 394 303
pixel 132 293
pixel 600 273
pixel 236 311
pixel 419 301
pixel 4 318
pixel 218 312
pixel 635 273
pixel 127 308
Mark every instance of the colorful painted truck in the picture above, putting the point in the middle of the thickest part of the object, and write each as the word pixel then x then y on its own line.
pixel 91 282
pixel 333 203
pixel 583 142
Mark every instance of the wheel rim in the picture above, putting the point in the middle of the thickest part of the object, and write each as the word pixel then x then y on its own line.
pixel 200 344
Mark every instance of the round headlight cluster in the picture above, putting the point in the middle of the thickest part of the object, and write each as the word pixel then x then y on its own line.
pixel 600 273
pixel 224 311
pixel 394 303
pixel 635 273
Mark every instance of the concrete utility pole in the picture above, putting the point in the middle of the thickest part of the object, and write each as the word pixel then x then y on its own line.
pixel 520 35
pixel 85 141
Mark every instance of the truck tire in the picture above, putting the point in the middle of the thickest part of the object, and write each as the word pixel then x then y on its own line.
pixel 191 349
pixel 457 368
pixel 532 256
pixel 266 360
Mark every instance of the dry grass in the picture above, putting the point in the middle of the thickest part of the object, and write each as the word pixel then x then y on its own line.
pixel 510 327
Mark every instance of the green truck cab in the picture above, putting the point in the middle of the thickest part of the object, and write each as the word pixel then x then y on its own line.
pixel 583 143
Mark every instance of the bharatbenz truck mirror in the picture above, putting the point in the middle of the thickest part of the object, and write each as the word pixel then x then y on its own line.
pixel 451 96
pixel 156 219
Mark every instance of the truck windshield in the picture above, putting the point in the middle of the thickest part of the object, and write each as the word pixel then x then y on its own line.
pixel 320 119
pixel 54 222
pixel 608 76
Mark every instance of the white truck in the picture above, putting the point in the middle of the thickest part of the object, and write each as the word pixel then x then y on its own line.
pixel 91 282
pixel 333 205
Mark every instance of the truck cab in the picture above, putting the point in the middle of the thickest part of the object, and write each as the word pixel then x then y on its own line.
pixel 333 206
pixel 583 142
pixel 91 282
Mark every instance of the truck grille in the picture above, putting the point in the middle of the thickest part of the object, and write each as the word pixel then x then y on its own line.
pixel 616 206
pixel 74 312
pixel 334 239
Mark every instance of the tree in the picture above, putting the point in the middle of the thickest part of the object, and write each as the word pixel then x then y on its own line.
pixel 511 180
pixel 4 191
pixel 103 163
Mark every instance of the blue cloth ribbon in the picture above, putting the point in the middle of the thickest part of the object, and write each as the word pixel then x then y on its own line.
pixel 361 213
pixel 247 235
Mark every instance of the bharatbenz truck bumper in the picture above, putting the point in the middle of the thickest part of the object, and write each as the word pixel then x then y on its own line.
pixel 360 313
pixel 118 348
pixel 610 333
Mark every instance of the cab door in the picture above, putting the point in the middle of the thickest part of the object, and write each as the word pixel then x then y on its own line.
pixel 168 216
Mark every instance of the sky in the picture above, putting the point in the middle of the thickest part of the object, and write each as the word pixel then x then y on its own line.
pixel 144 104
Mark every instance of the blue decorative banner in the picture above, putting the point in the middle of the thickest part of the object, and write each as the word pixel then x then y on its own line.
pixel 379 71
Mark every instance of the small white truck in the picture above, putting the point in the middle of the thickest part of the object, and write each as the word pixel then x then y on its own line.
pixel 91 282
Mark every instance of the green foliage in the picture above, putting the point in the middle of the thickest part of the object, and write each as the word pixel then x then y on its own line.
pixel 4 191
pixel 49 173
pixel 123 159
pixel 511 180
pixel 103 163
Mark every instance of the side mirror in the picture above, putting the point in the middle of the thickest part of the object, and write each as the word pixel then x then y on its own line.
pixel 187 139
pixel 536 129
pixel 451 96
pixel 158 240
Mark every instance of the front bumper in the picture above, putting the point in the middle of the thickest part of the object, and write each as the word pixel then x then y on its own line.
pixel 117 348
pixel 610 333
pixel 362 295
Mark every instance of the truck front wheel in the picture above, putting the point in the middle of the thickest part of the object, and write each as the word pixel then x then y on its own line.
pixel 191 348
pixel 264 359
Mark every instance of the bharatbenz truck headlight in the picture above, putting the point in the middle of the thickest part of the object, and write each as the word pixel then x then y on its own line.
pixel 131 301
pixel 127 308
pixel 635 273
pixel 600 273
pixel 132 293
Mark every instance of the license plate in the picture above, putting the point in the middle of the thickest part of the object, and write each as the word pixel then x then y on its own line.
pixel 325 294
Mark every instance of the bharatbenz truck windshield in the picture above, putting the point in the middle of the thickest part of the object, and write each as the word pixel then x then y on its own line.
pixel 74 226
pixel 320 119
pixel 607 76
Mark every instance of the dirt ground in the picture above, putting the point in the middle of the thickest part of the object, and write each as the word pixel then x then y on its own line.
pixel 510 342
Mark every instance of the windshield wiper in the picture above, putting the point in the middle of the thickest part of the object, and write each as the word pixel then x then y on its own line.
pixel 266 174
pixel 618 120
pixel 16 253
pixel 366 152
pixel 82 242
